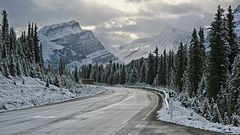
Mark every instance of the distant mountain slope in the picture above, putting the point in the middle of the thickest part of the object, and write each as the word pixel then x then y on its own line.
pixel 169 38
pixel 75 45
pixel 237 19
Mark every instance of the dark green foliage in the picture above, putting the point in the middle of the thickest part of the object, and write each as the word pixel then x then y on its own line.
pixel 150 71
pixel 181 65
pixel 76 77
pixel 218 64
pixel 143 72
pixel 196 61
pixel 231 37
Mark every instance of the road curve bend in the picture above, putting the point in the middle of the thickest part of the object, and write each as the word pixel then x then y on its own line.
pixel 117 111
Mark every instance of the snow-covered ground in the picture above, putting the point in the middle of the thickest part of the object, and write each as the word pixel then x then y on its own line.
pixel 188 117
pixel 34 93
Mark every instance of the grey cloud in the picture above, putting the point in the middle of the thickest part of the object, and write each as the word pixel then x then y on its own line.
pixel 63 11
pixel 148 20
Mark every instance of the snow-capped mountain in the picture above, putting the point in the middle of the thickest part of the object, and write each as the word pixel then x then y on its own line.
pixel 75 45
pixel 168 39
pixel 237 19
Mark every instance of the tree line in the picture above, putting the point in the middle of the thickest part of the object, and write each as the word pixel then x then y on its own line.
pixel 206 81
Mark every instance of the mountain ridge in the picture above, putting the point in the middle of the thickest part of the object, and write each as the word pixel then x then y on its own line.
pixel 75 45
pixel 168 38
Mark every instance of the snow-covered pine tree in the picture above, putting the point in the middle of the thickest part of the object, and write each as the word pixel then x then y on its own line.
pixel 12 42
pixel 159 78
pixel 12 67
pixel 5 35
pixel 133 76
pixel 150 71
pixel 123 75
pixel 171 69
pixel 216 114
pixel 233 88
pixel 18 68
pixel 165 67
pixel 206 109
pixel 156 61
pixel 36 45
pixel 143 73
pixel 56 81
pixel 5 69
pixel 231 37
pixel 76 77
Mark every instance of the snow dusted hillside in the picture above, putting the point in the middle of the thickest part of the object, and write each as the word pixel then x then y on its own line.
pixel 34 93
pixel 75 45
pixel 237 19
pixel 168 39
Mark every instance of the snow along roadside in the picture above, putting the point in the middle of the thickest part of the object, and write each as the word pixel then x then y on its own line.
pixel 34 93
pixel 187 117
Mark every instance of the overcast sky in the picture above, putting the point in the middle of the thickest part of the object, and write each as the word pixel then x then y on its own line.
pixel 115 21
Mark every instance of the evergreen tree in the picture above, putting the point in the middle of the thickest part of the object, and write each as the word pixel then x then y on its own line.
pixel 18 69
pixel 196 62
pixel 133 76
pixel 150 72
pixel 143 72
pixel 61 69
pixel 36 46
pixel 159 78
pixel 233 88
pixel 231 37
pixel 181 65
pixel 12 67
pixel 56 81
pixel 156 61
pixel 12 41
pixel 218 64
pixel 5 69
pixel 164 73
pixel 216 114
pixel 5 35
pixel 76 77
pixel 123 75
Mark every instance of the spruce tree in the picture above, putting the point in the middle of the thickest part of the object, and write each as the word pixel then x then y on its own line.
pixel 12 67
pixel 156 61
pixel 233 88
pixel 218 62
pixel 150 72
pixel 196 62
pixel 133 76
pixel 12 41
pixel 61 69
pixel 36 46
pixel 123 75
pixel 165 71
pixel 143 72
pixel 5 35
pixel 231 37
pixel 181 66
pixel 76 77
pixel 18 69
pixel 5 69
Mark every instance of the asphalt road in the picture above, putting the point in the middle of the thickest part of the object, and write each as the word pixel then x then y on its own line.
pixel 119 111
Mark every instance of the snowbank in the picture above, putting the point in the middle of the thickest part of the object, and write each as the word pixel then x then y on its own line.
pixel 188 117
pixel 14 94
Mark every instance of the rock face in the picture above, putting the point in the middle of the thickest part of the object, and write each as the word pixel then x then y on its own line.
pixel 75 45
pixel 168 39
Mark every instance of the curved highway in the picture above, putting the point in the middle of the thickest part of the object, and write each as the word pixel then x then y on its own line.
pixel 120 111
